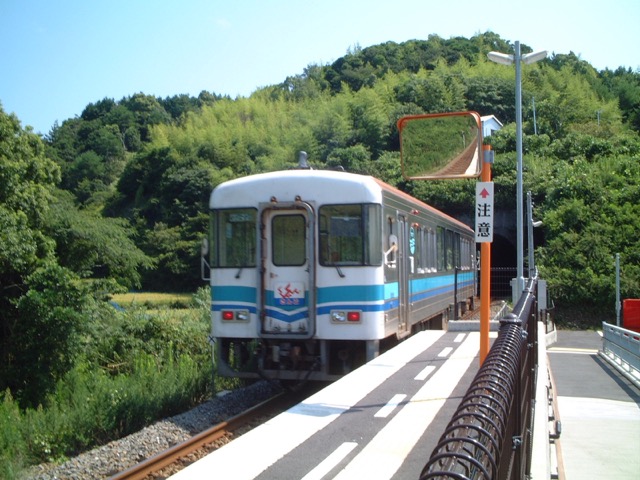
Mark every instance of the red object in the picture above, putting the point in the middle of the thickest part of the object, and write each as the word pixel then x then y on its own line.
pixel 631 314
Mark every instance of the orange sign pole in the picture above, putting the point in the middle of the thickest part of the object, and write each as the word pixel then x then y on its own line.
pixel 485 269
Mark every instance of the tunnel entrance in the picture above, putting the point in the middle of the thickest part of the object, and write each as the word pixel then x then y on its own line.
pixel 503 267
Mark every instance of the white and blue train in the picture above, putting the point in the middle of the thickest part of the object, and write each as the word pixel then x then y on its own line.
pixel 311 271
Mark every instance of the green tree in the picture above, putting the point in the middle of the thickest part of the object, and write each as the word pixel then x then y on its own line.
pixel 88 165
pixel 176 250
pixel 148 112
pixel 433 91
pixel 369 114
pixel 27 180
pixel 47 246
pixel 179 105
pixel 349 158
pixel 93 246
pixel 45 340
pixel 491 96
pixel 625 85
pixel 332 128
pixel 590 211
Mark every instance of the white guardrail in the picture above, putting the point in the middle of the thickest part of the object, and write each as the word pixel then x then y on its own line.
pixel 621 348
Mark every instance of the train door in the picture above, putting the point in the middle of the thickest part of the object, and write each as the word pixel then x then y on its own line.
pixel 288 289
pixel 403 275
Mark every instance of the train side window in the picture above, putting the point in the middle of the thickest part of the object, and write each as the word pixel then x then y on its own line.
pixel 463 250
pixel 436 252
pixel 350 234
pixel 465 254
pixel 373 234
pixel 440 249
pixel 427 249
pixel 449 250
pixel 233 237
pixel 433 264
pixel 422 248
pixel 391 244
pixel 417 248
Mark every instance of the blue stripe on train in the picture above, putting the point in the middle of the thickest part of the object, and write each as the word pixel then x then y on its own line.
pixel 234 294
pixel 367 298
pixel 286 317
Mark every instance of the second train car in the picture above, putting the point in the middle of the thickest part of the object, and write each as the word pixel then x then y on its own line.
pixel 311 270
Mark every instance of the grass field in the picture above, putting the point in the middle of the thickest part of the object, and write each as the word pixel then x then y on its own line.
pixel 154 299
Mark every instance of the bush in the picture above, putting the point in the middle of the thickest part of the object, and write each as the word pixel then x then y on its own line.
pixel 92 407
pixel 164 368
pixel 12 444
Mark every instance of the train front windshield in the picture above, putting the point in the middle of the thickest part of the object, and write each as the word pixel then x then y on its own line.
pixel 233 236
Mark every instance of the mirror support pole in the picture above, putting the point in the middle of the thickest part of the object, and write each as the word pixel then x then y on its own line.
pixel 485 270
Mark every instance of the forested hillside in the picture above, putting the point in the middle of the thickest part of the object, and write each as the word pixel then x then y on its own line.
pixel 117 198
pixel 153 161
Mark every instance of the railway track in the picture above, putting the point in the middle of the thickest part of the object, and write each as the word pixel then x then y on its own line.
pixel 173 459
pixel 181 455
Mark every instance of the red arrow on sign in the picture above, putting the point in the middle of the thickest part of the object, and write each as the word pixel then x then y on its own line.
pixel 484 193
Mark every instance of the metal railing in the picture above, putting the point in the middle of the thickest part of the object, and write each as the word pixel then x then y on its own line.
pixel 490 434
pixel 621 348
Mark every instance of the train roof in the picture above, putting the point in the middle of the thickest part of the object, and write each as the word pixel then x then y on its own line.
pixel 286 185
pixel 406 196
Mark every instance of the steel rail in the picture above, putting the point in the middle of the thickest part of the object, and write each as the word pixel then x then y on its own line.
pixel 168 457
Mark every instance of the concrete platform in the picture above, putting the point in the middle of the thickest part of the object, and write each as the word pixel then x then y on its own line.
pixel 381 421
pixel 599 411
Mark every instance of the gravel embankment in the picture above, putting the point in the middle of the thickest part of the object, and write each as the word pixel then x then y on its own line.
pixel 119 455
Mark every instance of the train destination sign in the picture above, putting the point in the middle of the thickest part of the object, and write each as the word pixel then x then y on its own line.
pixel 484 212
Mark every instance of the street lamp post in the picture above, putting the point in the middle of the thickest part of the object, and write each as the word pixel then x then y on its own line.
pixel 518 59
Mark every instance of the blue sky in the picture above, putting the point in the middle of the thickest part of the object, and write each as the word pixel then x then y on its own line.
pixel 58 56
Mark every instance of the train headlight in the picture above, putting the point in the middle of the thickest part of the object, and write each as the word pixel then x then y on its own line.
pixel 345 316
pixel 338 316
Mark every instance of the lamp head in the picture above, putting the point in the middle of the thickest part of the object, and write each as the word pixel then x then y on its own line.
pixel 501 58
pixel 533 57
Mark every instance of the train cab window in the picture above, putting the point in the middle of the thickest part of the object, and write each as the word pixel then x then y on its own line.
pixel 288 234
pixel 233 236
pixel 350 235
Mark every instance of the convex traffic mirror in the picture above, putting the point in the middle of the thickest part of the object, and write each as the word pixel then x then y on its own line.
pixel 441 145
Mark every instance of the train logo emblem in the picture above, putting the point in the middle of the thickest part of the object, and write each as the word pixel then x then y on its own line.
pixel 291 293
